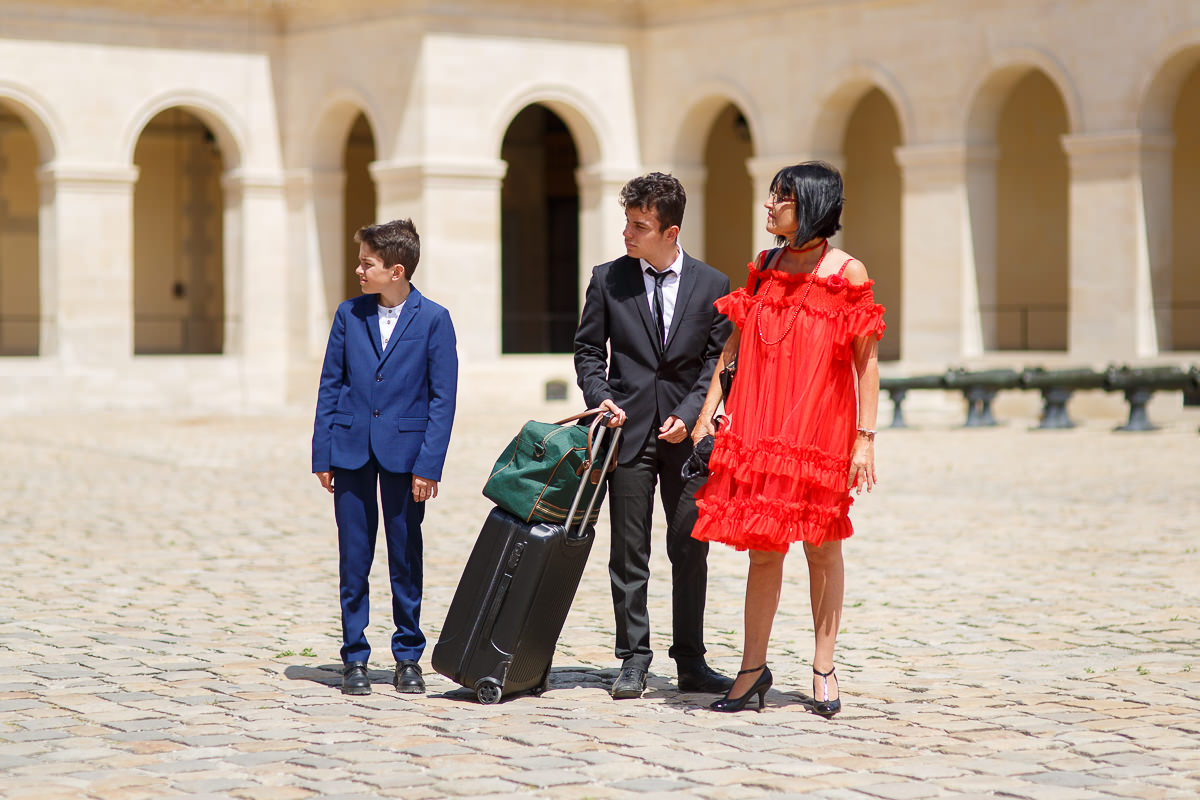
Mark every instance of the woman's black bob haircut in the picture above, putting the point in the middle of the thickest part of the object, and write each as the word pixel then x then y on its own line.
pixel 817 189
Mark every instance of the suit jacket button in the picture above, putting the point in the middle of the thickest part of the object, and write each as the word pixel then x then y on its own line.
pixel 377 412
pixel 378 377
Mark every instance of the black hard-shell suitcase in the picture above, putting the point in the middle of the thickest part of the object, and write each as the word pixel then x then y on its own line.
pixel 514 596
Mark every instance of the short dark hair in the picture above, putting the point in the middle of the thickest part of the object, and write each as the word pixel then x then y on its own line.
pixel 817 189
pixel 659 192
pixel 396 242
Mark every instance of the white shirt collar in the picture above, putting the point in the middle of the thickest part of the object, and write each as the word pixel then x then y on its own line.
pixel 676 265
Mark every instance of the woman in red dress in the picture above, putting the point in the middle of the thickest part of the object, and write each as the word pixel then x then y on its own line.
pixel 800 417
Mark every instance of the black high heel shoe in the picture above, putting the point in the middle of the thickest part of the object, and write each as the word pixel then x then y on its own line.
pixel 760 686
pixel 826 707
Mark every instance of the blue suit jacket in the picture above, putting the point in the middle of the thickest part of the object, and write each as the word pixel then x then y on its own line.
pixel 398 403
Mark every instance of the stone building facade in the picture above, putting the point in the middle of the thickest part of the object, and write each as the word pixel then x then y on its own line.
pixel 178 180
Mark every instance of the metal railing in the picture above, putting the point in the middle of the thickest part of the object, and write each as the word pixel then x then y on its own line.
pixel 165 334
pixel 1026 326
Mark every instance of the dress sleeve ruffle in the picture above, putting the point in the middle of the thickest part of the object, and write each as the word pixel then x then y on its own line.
pixel 735 305
pixel 865 318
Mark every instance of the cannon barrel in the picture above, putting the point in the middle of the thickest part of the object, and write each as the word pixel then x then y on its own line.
pixel 1139 384
pixel 1039 378
pixel 898 387
pixel 982 379
pixel 1168 378
pixel 913 382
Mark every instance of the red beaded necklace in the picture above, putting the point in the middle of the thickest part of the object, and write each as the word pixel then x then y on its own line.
pixel 812 278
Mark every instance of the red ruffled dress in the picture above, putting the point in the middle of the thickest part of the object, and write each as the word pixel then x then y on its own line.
pixel 779 469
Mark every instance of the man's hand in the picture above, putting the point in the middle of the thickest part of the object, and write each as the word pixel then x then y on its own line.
pixel 673 431
pixel 326 479
pixel 423 489
pixel 618 418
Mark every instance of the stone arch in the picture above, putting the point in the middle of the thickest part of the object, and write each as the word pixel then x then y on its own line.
pixel 38 117
pixel 700 109
pixel 992 89
pixel 539 233
pixel 333 123
pixel 180 204
pixel 1018 202
pixel 836 107
pixel 26 295
pixel 343 193
pixel 583 118
pixel 220 118
pixel 871 218
pixel 1169 121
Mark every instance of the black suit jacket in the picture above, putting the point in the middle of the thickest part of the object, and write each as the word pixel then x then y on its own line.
pixel 650 382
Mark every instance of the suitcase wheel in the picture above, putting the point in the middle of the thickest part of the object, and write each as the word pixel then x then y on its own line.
pixel 487 691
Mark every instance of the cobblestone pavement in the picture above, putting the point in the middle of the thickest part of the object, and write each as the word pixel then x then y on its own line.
pixel 1022 620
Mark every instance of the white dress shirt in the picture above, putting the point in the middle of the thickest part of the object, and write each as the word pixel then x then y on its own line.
pixel 670 288
pixel 387 321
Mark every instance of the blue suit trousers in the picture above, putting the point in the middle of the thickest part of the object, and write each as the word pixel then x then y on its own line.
pixel 357 513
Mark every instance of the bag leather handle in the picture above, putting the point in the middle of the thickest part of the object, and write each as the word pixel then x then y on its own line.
pixel 580 415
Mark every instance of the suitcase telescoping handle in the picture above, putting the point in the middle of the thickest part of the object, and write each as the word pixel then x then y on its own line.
pixel 596 435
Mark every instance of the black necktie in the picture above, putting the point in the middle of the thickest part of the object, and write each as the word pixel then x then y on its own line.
pixel 659 277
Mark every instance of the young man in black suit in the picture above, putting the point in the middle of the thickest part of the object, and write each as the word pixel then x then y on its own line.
pixel 653 309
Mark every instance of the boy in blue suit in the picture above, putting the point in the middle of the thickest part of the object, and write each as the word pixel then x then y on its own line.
pixel 384 411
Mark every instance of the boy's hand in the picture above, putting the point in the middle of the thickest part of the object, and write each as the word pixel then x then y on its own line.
pixel 326 479
pixel 423 489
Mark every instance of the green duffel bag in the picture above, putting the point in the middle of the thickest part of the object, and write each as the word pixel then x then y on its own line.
pixel 539 474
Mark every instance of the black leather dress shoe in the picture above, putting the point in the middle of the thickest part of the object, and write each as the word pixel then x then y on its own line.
pixel 630 683
pixel 408 678
pixel 695 675
pixel 354 678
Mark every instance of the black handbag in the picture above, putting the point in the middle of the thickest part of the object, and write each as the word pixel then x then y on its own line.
pixel 696 465
pixel 730 370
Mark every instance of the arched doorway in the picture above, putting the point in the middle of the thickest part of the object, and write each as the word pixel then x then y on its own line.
pixel 1030 311
pixel 539 228
pixel 728 195
pixel 1184 306
pixel 871 218
pixel 19 258
pixel 358 196
pixel 178 247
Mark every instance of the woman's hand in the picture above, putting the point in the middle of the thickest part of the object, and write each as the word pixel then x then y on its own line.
pixel 862 464
pixel 703 427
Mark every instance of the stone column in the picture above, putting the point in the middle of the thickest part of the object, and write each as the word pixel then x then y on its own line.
pixel 1156 221
pixel 456 208
pixel 762 170
pixel 694 178
pixel 329 224
pixel 256 277
pixel 939 258
pixel 1110 287
pixel 86 242
pixel 601 218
